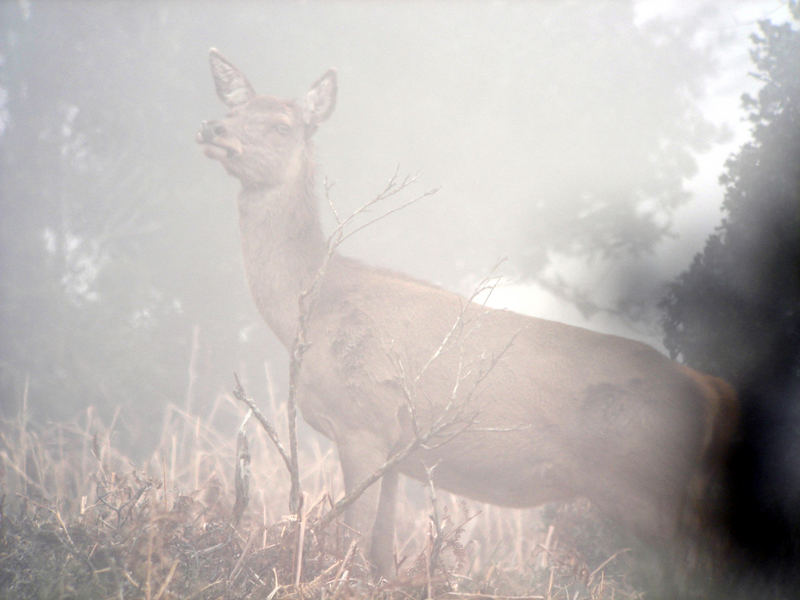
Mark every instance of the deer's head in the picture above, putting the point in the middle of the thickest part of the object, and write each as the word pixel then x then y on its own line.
pixel 263 140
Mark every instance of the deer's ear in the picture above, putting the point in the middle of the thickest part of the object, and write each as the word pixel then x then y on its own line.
pixel 232 86
pixel 320 100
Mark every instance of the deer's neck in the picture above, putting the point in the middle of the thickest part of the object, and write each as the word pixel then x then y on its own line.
pixel 283 249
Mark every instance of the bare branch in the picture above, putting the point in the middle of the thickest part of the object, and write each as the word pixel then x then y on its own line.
pixel 306 302
pixel 240 395
pixel 440 348
pixel 450 416
pixel 451 421
pixel 351 497
pixel 402 206
pixel 603 564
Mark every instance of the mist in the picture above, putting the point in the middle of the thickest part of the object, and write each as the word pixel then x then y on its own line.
pixel 563 139
pixel 575 149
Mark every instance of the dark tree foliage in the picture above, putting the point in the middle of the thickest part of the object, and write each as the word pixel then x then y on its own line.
pixel 736 311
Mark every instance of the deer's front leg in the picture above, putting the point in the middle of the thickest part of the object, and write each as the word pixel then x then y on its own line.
pixel 372 515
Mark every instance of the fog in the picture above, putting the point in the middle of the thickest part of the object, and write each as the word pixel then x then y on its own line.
pixel 575 149
pixel 581 144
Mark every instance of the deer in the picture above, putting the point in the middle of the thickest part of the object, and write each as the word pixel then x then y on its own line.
pixel 547 412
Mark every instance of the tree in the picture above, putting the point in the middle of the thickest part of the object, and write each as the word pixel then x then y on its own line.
pixel 739 303
pixel 736 311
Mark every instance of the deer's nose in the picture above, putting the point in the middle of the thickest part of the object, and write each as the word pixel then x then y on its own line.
pixel 211 129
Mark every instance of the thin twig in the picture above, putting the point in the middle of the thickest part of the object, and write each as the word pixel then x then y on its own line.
pixel 307 301
pixel 402 206
pixel 604 563
pixel 353 495
pixel 240 395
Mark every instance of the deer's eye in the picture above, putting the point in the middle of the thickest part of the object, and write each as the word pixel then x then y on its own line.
pixel 282 128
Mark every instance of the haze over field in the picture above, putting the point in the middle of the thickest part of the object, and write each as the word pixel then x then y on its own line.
pixel 582 142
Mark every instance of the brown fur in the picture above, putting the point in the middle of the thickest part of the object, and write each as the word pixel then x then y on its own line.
pixel 563 412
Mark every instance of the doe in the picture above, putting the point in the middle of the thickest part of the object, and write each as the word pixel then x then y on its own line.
pixel 546 411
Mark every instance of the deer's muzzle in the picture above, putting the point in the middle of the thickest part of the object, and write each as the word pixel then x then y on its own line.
pixel 213 133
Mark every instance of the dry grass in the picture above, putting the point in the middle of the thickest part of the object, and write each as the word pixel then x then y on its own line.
pixel 81 520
